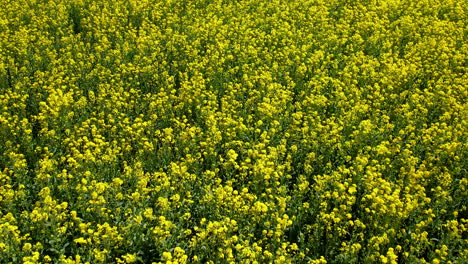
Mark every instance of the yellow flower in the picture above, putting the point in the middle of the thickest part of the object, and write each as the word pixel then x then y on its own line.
pixel 80 240
pixel 130 258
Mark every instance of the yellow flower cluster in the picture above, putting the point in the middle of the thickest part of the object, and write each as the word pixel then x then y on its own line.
pixel 251 131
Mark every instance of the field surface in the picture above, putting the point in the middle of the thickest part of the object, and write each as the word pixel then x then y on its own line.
pixel 261 131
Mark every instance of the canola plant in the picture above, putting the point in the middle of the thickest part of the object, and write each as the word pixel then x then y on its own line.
pixel 252 131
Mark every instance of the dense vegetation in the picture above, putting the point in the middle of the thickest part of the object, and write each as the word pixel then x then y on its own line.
pixel 306 131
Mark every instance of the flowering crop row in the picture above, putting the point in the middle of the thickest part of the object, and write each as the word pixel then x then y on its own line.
pixel 253 131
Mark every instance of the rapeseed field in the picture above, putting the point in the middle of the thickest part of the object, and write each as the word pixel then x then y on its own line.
pixel 221 131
